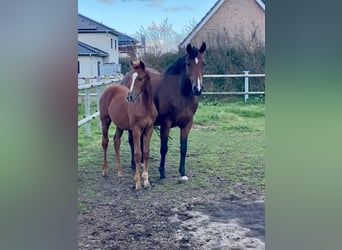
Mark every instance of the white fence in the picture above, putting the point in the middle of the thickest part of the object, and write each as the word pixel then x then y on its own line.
pixel 246 93
pixel 96 83
pixel 91 83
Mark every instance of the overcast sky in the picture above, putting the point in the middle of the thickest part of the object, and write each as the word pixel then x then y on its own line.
pixel 127 16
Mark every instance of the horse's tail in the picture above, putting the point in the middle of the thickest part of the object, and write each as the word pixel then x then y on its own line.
pixel 157 130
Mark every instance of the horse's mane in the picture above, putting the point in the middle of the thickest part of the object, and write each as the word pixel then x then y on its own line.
pixel 178 68
pixel 179 65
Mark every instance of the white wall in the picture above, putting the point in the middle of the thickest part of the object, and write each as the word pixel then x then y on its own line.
pixel 102 41
pixel 88 65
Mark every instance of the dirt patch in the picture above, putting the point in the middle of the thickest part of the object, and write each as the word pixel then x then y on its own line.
pixel 168 215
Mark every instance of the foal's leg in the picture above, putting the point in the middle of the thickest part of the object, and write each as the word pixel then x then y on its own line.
pixel 117 142
pixel 183 149
pixel 164 137
pixel 130 141
pixel 147 139
pixel 136 132
pixel 105 121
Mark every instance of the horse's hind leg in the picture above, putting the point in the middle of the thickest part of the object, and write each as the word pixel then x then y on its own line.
pixel 105 121
pixel 117 143
pixel 164 137
pixel 146 154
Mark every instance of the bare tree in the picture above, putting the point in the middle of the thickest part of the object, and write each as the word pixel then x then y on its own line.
pixel 192 24
pixel 160 38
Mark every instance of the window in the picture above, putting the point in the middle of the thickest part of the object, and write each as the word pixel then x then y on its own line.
pixel 115 44
pixel 78 65
pixel 111 43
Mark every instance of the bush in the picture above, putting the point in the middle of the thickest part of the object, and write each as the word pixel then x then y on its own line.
pixel 161 61
pixel 234 60
pixel 125 65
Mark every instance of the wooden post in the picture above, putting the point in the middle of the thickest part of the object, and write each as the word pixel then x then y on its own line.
pixel 98 96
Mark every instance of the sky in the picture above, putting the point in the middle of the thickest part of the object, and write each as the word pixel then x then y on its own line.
pixel 127 16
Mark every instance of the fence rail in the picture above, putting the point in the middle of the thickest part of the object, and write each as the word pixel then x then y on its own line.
pixel 98 82
pixel 246 93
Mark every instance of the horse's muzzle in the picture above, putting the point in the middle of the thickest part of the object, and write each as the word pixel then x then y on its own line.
pixel 130 98
pixel 195 90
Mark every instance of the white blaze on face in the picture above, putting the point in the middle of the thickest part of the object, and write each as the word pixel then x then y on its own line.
pixel 199 84
pixel 134 76
pixel 198 79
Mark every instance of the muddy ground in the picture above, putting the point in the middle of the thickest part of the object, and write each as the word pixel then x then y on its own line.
pixel 168 215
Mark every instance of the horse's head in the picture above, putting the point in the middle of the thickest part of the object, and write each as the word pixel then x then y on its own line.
pixel 138 80
pixel 194 67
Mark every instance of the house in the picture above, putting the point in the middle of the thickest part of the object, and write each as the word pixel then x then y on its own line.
pixel 90 58
pixel 129 47
pixel 98 50
pixel 230 21
pixel 100 47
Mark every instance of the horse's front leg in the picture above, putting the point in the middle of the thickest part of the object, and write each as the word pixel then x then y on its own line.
pixel 131 144
pixel 184 133
pixel 137 156
pixel 146 153
pixel 164 137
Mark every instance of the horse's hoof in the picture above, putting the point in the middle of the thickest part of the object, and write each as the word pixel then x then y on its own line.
pixel 104 174
pixel 183 179
pixel 146 184
pixel 120 174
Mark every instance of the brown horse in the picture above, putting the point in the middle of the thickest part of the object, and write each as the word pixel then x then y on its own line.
pixel 174 93
pixel 130 109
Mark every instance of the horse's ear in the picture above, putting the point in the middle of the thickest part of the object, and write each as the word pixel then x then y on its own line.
pixel 131 63
pixel 188 48
pixel 203 47
pixel 142 65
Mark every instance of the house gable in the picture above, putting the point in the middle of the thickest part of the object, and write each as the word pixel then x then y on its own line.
pixel 237 19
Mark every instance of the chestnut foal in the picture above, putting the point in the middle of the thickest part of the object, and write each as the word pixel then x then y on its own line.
pixel 130 109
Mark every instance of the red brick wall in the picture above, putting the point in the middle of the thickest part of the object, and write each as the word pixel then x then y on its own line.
pixel 235 21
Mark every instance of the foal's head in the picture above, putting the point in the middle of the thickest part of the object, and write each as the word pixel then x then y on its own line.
pixel 139 80
pixel 194 67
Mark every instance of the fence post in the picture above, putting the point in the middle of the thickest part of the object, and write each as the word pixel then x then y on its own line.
pixel 98 96
pixel 87 106
pixel 246 85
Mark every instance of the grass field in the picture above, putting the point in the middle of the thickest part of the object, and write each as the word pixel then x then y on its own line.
pixel 227 142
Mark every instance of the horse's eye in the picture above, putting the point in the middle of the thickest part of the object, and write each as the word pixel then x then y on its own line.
pixel 140 79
